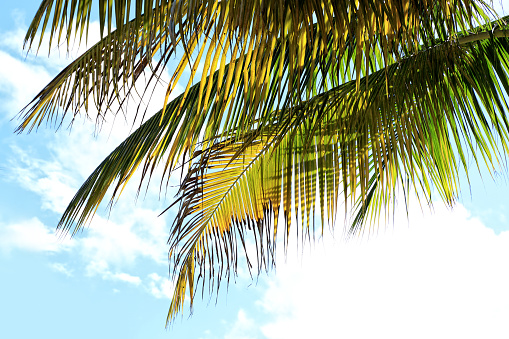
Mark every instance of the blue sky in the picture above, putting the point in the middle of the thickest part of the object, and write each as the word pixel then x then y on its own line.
pixel 441 274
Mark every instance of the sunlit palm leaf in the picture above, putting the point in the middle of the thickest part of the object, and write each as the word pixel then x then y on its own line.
pixel 297 99
pixel 443 103
pixel 167 134
pixel 218 31
pixel 105 72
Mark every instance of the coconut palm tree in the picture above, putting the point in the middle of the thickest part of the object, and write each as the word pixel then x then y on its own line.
pixel 292 108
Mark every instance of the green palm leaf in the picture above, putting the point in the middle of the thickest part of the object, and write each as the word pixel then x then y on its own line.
pixel 297 99
pixel 362 141
pixel 167 134
pixel 246 30
pixel 105 72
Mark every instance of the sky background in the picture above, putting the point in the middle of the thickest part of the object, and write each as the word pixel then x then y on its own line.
pixel 441 273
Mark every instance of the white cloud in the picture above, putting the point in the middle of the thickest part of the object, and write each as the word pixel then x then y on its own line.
pixel 157 286
pixel 19 82
pixel 13 39
pixel 31 235
pixel 442 276
pixel 243 328
pixel 101 268
pixel 107 247
pixel 131 279
pixel 133 235
pixel 48 179
pixel 132 231
pixel 500 7
pixel 22 74
pixel 160 287
pixel 61 268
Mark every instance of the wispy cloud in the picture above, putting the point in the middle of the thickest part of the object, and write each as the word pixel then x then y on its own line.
pixel 19 82
pixel 243 327
pixel 49 179
pixel 61 268
pixel 31 235
pixel 139 234
pixel 160 287
pixel 102 269
pixel 54 165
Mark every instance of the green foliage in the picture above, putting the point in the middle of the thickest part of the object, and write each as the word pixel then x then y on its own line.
pixel 300 104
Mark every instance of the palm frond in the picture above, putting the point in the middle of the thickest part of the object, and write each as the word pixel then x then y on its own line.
pixel 297 99
pixel 179 127
pixel 443 103
pixel 339 32
pixel 103 74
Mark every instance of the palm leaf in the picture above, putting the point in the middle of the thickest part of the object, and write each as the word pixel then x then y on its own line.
pixel 363 141
pixel 319 97
pixel 167 133
pixel 245 30
pixel 105 72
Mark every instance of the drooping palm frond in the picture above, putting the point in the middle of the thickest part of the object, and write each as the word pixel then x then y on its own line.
pixel 291 71
pixel 103 74
pixel 170 133
pixel 214 32
pixel 160 137
pixel 296 99
pixel 444 103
